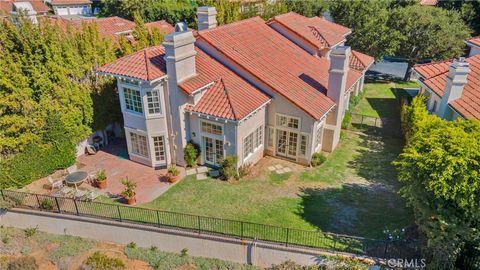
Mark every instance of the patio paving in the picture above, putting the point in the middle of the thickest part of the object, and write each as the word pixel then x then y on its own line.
pixel 151 183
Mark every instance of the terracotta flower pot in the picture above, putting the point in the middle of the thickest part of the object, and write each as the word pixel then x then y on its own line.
pixel 173 178
pixel 131 200
pixel 102 184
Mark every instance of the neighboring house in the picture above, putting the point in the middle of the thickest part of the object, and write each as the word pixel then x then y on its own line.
pixel 71 7
pixel 31 8
pixel 242 89
pixel 113 27
pixel 428 2
pixel 452 87
pixel 474 44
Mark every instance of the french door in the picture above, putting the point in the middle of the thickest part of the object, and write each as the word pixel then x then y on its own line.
pixel 287 142
pixel 213 150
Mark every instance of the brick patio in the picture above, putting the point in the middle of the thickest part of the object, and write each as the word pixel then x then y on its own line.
pixel 114 160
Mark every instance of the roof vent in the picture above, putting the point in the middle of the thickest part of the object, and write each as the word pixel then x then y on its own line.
pixel 181 27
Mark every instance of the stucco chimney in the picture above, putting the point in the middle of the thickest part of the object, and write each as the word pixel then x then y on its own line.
pixel 456 80
pixel 337 79
pixel 206 17
pixel 180 54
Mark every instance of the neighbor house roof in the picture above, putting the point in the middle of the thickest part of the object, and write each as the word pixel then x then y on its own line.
pixel 317 31
pixel 428 2
pixel 474 40
pixel 162 25
pixel 227 96
pixel 434 76
pixel 38 6
pixel 286 68
pixel 147 64
pixel 69 2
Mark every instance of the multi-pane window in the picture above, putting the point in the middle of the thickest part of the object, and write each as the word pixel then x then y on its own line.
pixel 319 135
pixel 153 102
pixel 289 122
pixel 211 128
pixel 253 141
pixel 303 145
pixel 139 144
pixel 130 81
pixel 133 100
pixel 159 148
pixel 270 137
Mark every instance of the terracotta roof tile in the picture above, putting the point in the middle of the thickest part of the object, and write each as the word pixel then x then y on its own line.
pixel 474 40
pixel 360 61
pixel 162 25
pixel 434 76
pixel 428 2
pixel 286 68
pixel 147 64
pixel 37 5
pixel 317 31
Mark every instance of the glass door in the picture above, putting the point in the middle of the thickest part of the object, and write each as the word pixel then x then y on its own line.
pixel 213 150
pixel 287 142
pixel 281 142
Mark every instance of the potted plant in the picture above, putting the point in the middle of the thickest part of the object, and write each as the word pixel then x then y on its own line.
pixel 173 174
pixel 101 179
pixel 129 192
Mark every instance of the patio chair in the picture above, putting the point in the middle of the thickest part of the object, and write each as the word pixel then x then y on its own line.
pixel 55 183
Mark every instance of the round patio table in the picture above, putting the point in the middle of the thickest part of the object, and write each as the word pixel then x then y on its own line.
pixel 76 178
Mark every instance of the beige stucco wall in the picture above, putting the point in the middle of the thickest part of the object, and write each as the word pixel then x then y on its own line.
pixel 245 128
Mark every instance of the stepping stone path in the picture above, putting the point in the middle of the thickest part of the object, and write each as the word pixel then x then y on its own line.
pixel 201 176
pixel 191 171
pixel 202 169
pixel 279 169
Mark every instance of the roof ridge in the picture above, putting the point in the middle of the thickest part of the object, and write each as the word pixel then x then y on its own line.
pixel 317 34
pixel 228 25
pixel 225 90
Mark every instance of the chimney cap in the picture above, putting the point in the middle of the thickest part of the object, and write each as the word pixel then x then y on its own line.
pixel 340 50
pixel 460 62
pixel 209 9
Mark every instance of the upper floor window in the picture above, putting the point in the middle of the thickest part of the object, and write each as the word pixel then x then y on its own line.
pixel 212 128
pixel 133 100
pixel 289 122
pixel 153 102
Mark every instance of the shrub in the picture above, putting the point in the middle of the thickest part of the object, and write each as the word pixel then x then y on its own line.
pixel 244 170
pixel 184 252
pixel 191 154
pixel 132 245
pixel 29 232
pixel 317 159
pixel 173 170
pixel 99 261
pixel 347 119
pixel 23 263
pixel 68 246
pixel 101 176
pixel 129 191
pixel 228 168
pixel 46 204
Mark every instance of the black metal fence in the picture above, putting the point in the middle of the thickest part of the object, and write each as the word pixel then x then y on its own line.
pixel 206 225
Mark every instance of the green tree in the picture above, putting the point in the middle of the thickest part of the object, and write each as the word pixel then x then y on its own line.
pixel 428 33
pixel 140 33
pixel 469 11
pixel 308 8
pixel 368 20
pixel 440 168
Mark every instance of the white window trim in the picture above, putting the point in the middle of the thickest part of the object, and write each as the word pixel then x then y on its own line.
pixel 123 101
pixel 152 150
pixel 268 128
pixel 307 136
pixel 289 116
pixel 254 149
pixel 318 146
pixel 215 136
pixel 149 115
pixel 129 143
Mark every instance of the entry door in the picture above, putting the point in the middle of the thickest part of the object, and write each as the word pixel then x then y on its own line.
pixel 287 143
pixel 213 150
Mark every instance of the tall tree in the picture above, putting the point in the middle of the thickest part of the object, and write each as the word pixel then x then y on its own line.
pixel 140 32
pixel 469 12
pixel 308 8
pixel 368 19
pixel 427 33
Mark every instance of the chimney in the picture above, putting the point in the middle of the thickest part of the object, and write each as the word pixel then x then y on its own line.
pixel 337 78
pixel 206 18
pixel 456 80
pixel 180 53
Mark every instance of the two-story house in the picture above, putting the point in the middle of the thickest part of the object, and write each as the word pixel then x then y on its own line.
pixel 71 7
pixel 243 89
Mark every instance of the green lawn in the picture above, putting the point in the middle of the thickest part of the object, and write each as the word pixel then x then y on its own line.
pixel 380 98
pixel 354 192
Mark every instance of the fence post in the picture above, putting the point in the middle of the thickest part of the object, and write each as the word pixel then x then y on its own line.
pixel 38 201
pixel 119 215
pixel 198 221
pixel 286 238
pixel 76 207
pixel 241 230
pixel 58 205
pixel 158 218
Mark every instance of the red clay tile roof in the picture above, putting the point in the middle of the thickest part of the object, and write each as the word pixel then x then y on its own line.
pixel 69 2
pixel 162 25
pixel 428 2
pixel 238 99
pixel 273 59
pixel 37 5
pixel 474 40
pixel 434 76
pixel 360 61
pixel 147 64
pixel 317 31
